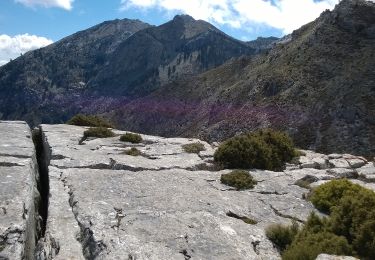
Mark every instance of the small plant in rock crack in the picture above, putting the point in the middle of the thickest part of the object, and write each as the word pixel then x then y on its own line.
pixel 99 132
pixel 239 179
pixel 131 138
pixel 245 219
pixel 193 147
pixel 133 152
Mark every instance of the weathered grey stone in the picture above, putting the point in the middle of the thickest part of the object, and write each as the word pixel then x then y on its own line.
pixel 159 206
pixel 367 170
pixel 356 163
pixel 19 197
pixel 339 163
pixel 335 257
pixel 343 173
pixel 313 160
pixel 334 156
pixel 165 204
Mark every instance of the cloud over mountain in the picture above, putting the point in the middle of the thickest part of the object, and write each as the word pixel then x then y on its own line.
pixel 285 15
pixel 12 47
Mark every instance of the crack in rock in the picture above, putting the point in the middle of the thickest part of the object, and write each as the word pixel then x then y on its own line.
pixel 278 213
pixel 255 245
pixel 14 156
pixel 9 164
pixel 91 248
pixel 185 253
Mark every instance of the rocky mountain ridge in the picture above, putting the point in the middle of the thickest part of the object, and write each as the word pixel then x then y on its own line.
pixel 317 84
pixel 115 61
pixel 165 203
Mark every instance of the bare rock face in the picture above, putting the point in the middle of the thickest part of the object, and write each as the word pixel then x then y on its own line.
pixel 19 196
pixel 163 204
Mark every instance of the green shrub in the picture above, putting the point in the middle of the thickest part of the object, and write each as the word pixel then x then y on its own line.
pixel 89 120
pixel 100 132
pixel 349 229
pixel 313 244
pixel 353 217
pixel 133 152
pixel 328 195
pixel 239 179
pixel 265 149
pixel 193 148
pixel 131 138
pixel 282 236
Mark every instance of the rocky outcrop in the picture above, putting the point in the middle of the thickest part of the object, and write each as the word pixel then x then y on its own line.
pixel 20 224
pixel 164 204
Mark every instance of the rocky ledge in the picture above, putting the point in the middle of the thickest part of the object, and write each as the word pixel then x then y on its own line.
pixel 162 204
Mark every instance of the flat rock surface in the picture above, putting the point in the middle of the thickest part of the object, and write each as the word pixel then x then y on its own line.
pixel 163 204
pixel 160 205
pixel 18 171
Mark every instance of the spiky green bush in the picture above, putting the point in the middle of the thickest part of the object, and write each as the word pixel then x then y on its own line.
pixel 239 179
pixel 100 132
pixel 264 149
pixel 131 138
pixel 89 120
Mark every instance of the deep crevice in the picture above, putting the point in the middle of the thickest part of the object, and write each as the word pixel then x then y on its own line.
pixel 43 159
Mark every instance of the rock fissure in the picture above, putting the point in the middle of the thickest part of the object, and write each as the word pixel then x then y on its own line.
pixel 43 155
pixel 90 247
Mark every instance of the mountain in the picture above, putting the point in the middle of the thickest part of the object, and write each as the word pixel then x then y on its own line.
pixel 317 83
pixel 112 62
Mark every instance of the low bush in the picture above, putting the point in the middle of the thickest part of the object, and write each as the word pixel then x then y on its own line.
pixel 193 147
pixel 131 138
pixel 100 132
pixel 133 152
pixel 241 180
pixel 282 236
pixel 328 195
pixel 314 244
pixel 348 230
pixel 89 120
pixel 264 149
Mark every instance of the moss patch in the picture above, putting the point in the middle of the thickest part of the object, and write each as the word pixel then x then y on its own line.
pixel 133 152
pixel 193 147
pixel 131 138
pixel 99 132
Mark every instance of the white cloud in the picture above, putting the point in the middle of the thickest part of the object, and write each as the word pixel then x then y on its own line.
pixel 12 47
pixel 285 15
pixel 65 4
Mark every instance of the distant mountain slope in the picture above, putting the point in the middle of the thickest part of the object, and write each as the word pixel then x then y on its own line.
pixel 59 71
pixel 157 55
pixel 114 61
pixel 318 84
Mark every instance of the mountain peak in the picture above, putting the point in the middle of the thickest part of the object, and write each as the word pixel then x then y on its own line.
pixel 356 16
pixel 184 18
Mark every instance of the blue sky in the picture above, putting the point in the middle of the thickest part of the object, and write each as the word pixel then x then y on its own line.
pixel 40 22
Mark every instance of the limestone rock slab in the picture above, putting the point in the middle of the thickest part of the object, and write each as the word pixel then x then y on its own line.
pixel 19 197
